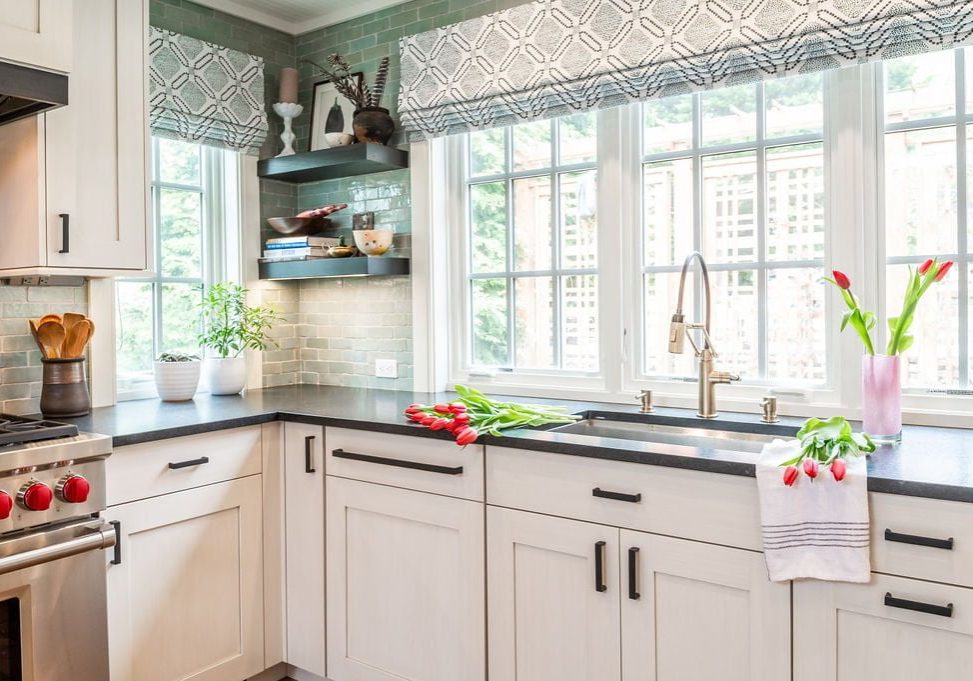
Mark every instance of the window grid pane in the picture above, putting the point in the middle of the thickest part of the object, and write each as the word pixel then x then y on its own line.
pixel 748 191
pixel 533 255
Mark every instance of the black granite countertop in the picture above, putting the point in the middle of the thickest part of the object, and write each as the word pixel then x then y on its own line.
pixel 931 462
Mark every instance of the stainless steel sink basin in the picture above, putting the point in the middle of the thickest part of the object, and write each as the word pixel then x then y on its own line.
pixel 739 437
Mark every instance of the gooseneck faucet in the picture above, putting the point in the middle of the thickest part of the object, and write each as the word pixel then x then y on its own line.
pixel 679 330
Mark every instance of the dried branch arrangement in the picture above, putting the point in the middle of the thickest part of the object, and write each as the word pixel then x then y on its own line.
pixel 354 89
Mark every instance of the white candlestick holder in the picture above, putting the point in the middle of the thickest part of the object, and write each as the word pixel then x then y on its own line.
pixel 288 112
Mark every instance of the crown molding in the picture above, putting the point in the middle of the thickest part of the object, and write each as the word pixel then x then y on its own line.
pixel 346 12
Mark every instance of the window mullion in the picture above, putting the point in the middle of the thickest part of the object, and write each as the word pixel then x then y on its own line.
pixel 761 209
pixel 511 252
pixel 962 220
pixel 556 289
pixel 698 197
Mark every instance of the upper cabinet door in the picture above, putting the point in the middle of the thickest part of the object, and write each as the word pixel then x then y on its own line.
pixel 37 33
pixel 892 629
pixel 97 146
pixel 697 612
pixel 552 595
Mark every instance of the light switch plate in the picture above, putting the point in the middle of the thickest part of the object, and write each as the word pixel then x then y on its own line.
pixel 386 368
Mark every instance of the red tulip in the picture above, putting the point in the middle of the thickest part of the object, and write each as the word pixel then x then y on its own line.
pixel 790 475
pixel 924 267
pixel 457 408
pixel 943 269
pixel 418 417
pixel 442 408
pixel 427 420
pixel 466 436
pixel 811 468
pixel 841 279
pixel 838 469
pixel 463 418
pixel 413 410
pixel 439 424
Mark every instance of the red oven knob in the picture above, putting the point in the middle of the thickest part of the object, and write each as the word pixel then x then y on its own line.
pixel 35 496
pixel 73 489
pixel 6 505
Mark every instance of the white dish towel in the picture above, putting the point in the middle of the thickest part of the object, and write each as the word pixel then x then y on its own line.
pixel 815 529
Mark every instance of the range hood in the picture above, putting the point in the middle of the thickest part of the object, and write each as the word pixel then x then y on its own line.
pixel 25 91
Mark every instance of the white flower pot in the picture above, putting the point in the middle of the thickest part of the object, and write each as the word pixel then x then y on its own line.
pixel 177 381
pixel 226 375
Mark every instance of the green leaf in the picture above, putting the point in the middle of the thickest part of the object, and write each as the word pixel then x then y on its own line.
pixel 905 342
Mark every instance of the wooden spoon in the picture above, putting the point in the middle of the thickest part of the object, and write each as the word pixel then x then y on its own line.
pixel 70 319
pixel 49 318
pixel 33 332
pixel 51 336
pixel 77 338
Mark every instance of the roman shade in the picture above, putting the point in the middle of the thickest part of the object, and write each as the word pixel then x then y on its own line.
pixel 203 92
pixel 556 57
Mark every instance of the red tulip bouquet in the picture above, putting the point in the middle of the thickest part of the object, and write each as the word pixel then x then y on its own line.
pixel 826 444
pixel 881 374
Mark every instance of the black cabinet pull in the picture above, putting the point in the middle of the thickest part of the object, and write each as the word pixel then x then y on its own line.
pixel 633 574
pixel 918 606
pixel 186 464
pixel 65 232
pixel 398 463
pixel 117 549
pixel 309 454
pixel 617 496
pixel 600 567
pixel 919 540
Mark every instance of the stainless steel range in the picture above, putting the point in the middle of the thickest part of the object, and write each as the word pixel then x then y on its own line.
pixel 53 619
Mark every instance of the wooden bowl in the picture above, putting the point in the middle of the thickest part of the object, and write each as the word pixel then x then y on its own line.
pixel 299 226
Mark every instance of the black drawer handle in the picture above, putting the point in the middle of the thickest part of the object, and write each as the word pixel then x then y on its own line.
pixel 919 540
pixel 918 606
pixel 633 574
pixel 65 232
pixel 617 496
pixel 398 463
pixel 600 585
pixel 116 558
pixel 309 454
pixel 186 464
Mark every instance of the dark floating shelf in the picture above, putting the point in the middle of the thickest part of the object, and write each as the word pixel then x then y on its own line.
pixel 360 266
pixel 334 163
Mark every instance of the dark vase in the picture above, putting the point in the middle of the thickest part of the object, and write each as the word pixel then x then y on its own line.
pixel 64 390
pixel 373 125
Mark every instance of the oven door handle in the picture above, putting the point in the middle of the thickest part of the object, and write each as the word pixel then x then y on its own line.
pixel 102 537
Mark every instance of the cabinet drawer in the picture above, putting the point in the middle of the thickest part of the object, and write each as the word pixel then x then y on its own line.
pixel 923 538
pixel 709 507
pixel 153 468
pixel 418 463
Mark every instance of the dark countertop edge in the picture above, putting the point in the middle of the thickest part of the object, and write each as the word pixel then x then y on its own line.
pixel 875 484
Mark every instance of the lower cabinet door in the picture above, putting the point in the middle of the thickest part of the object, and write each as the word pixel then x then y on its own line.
pixel 699 612
pixel 892 629
pixel 553 598
pixel 405 585
pixel 185 602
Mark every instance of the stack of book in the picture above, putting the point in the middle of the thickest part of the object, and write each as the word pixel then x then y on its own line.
pixel 297 248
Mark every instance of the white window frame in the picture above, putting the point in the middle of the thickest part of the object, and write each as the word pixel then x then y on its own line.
pixel 219 190
pixel 853 152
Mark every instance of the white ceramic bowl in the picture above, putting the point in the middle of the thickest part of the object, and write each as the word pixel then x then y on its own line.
pixel 338 139
pixel 177 381
pixel 373 241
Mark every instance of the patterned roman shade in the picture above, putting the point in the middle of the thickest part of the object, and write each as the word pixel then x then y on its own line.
pixel 555 57
pixel 206 93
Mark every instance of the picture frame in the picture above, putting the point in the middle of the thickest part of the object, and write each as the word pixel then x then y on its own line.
pixel 330 112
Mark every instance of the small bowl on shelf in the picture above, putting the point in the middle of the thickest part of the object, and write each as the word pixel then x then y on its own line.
pixel 373 242
pixel 298 226
pixel 338 139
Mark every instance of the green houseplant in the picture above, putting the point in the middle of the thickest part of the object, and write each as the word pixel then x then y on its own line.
pixel 231 326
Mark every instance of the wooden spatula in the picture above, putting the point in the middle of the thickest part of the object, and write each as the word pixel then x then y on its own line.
pixel 49 318
pixel 70 319
pixel 77 338
pixel 51 336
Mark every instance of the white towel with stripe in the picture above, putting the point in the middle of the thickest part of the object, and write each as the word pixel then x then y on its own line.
pixel 815 529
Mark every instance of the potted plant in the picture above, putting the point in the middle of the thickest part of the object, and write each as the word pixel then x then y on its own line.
pixel 373 123
pixel 231 327
pixel 881 374
pixel 176 376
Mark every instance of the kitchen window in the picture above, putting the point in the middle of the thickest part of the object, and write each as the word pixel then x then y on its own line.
pixel 192 194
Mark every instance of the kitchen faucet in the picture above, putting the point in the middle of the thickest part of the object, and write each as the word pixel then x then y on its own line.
pixel 679 330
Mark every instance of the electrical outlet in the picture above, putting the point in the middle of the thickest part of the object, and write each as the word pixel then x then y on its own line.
pixel 386 368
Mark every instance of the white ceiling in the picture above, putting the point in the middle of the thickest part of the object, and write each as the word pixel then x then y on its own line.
pixel 299 16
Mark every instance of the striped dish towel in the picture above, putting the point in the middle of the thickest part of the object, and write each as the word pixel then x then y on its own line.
pixel 815 529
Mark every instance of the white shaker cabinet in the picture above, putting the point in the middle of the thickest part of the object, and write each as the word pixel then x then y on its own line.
pixel 553 596
pixel 74 182
pixel 37 33
pixel 185 599
pixel 698 612
pixel 405 585
pixel 892 629
pixel 304 541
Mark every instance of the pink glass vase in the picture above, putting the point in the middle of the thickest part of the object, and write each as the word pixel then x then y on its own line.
pixel 882 398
